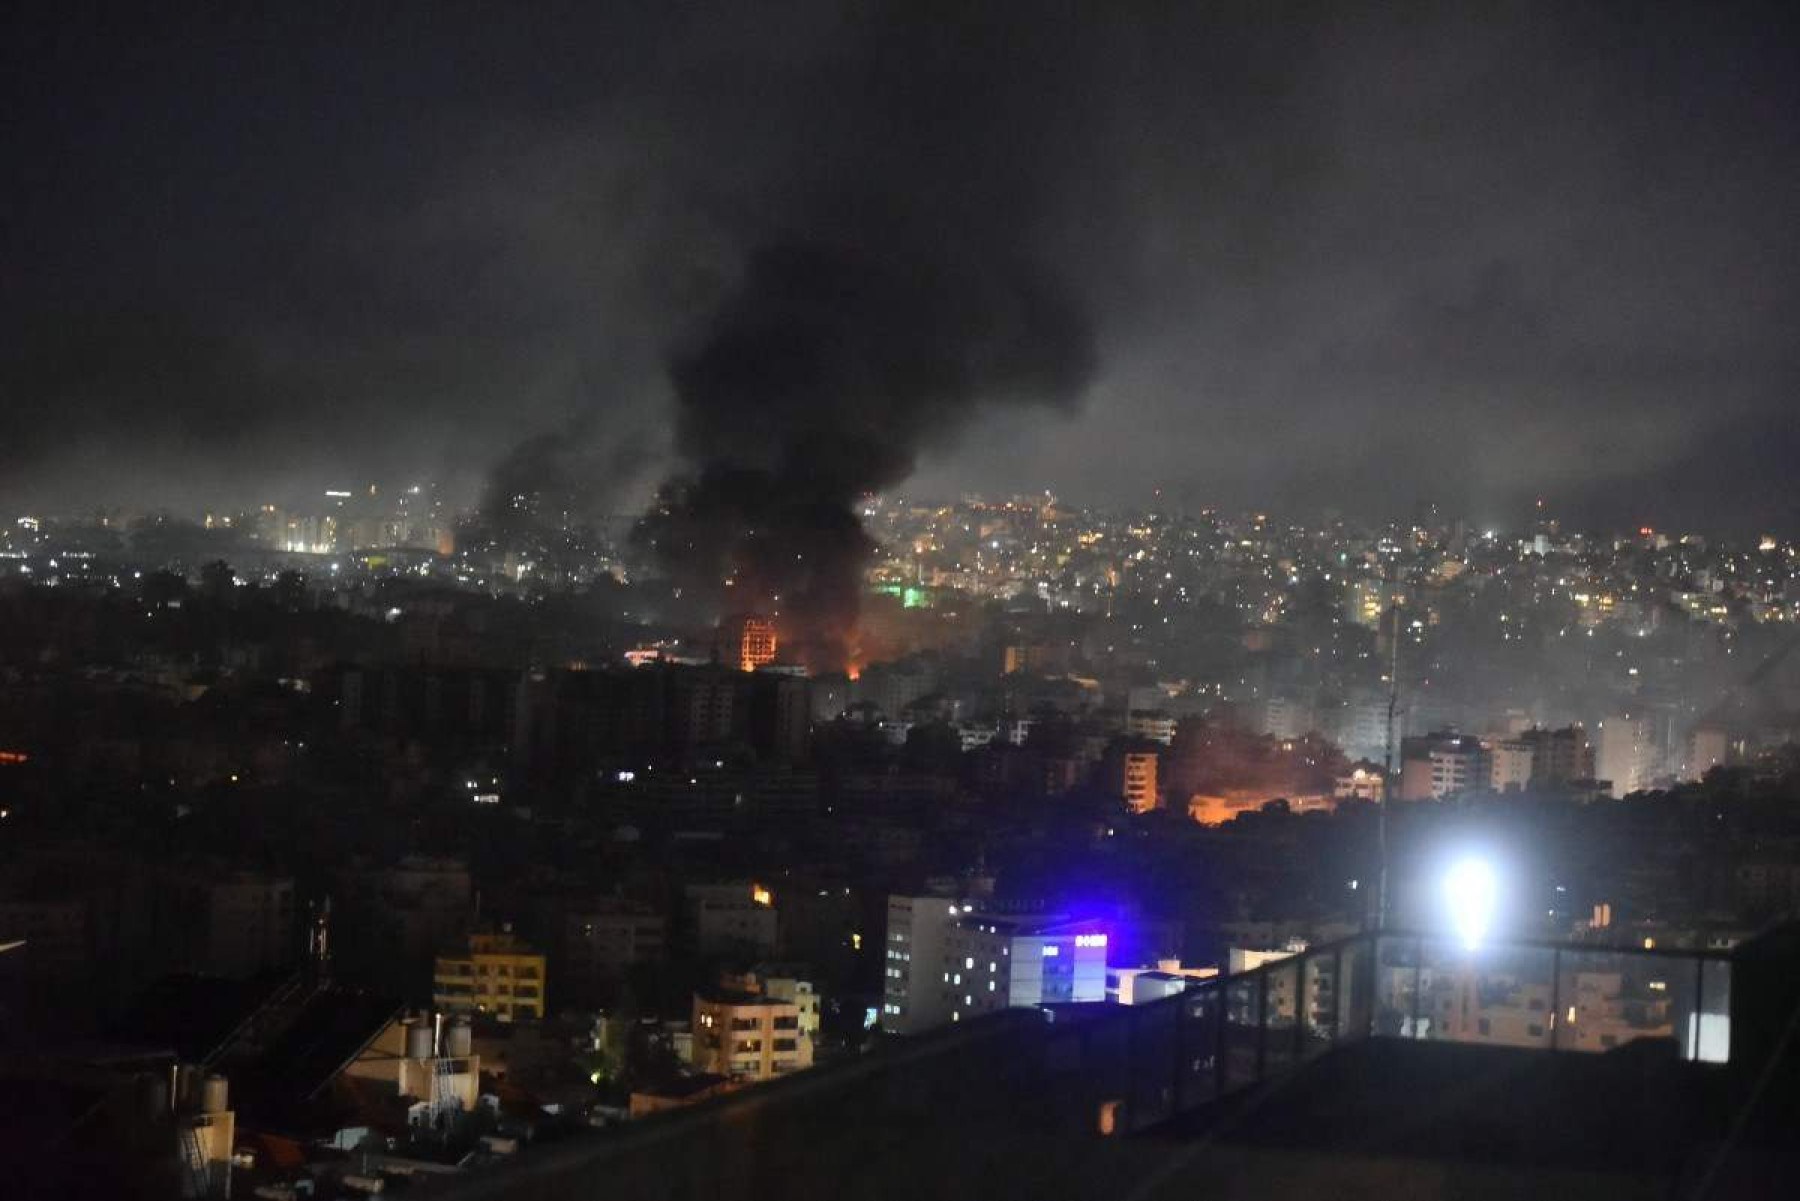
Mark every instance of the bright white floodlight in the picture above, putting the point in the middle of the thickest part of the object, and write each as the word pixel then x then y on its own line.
pixel 1471 889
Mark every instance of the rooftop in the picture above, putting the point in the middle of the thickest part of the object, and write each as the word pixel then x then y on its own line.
pixel 1225 1091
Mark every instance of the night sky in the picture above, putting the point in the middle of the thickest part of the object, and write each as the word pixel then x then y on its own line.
pixel 1299 256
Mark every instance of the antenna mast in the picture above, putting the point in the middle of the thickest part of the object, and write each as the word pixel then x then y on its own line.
pixel 1387 763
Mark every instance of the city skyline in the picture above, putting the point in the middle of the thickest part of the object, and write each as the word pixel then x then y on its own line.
pixel 850 598
pixel 1529 514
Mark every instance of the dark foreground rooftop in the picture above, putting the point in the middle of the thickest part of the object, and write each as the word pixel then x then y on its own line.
pixel 1020 1105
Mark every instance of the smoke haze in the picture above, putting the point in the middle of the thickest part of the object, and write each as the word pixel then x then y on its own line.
pixel 1325 255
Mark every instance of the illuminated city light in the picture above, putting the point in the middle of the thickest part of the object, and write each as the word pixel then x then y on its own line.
pixel 1471 890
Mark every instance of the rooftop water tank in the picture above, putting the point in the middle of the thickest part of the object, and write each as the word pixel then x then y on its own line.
pixel 418 1038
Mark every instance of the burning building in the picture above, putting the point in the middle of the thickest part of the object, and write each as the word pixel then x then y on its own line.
pixel 747 641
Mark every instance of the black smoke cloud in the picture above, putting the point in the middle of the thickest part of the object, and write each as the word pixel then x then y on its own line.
pixel 819 381
pixel 555 485
pixel 1332 255
pixel 908 269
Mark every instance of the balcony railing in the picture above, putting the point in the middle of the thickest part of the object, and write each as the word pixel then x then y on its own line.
pixel 1226 1034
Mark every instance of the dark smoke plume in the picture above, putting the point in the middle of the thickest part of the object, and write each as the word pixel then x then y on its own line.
pixel 819 381
pixel 545 502
pixel 904 270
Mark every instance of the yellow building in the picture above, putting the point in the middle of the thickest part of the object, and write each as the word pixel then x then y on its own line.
pixel 500 975
pixel 749 641
pixel 780 984
pixel 746 1037
pixel 1131 773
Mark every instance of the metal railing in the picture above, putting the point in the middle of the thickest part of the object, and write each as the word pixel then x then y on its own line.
pixel 1229 1033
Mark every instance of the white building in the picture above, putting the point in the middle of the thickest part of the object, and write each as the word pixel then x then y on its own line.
pixel 1284 717
pixel 891 687
pixel 1152 725
pixel 974 737
pixel 1510 764
pixel 947 962
pixel 1456 769
pixel 1442 764
pixel 1142 985
pixel 1361 727
pixel 1625 753
pixel 916 929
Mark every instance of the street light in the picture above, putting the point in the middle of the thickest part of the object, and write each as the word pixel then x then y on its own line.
pixel 1471 889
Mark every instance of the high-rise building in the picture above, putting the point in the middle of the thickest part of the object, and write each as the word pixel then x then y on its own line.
pixel 1360 726
pixel 1559 756
pixel 1151 725
pixel 747 641
pixel 891 687
pixel 779 715
pixel 1441 764
pixel 422 904
pixel 704 707
pixel 948 962
pixel 1625 754
pixel 1286 717
pixel 238 925
pixel 604 939
pixel 1708 746
pixel 733 919
pixel 916 931
pixel 1365 601
pixel 498 975
pixel 1130 772
pixel 1509 764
